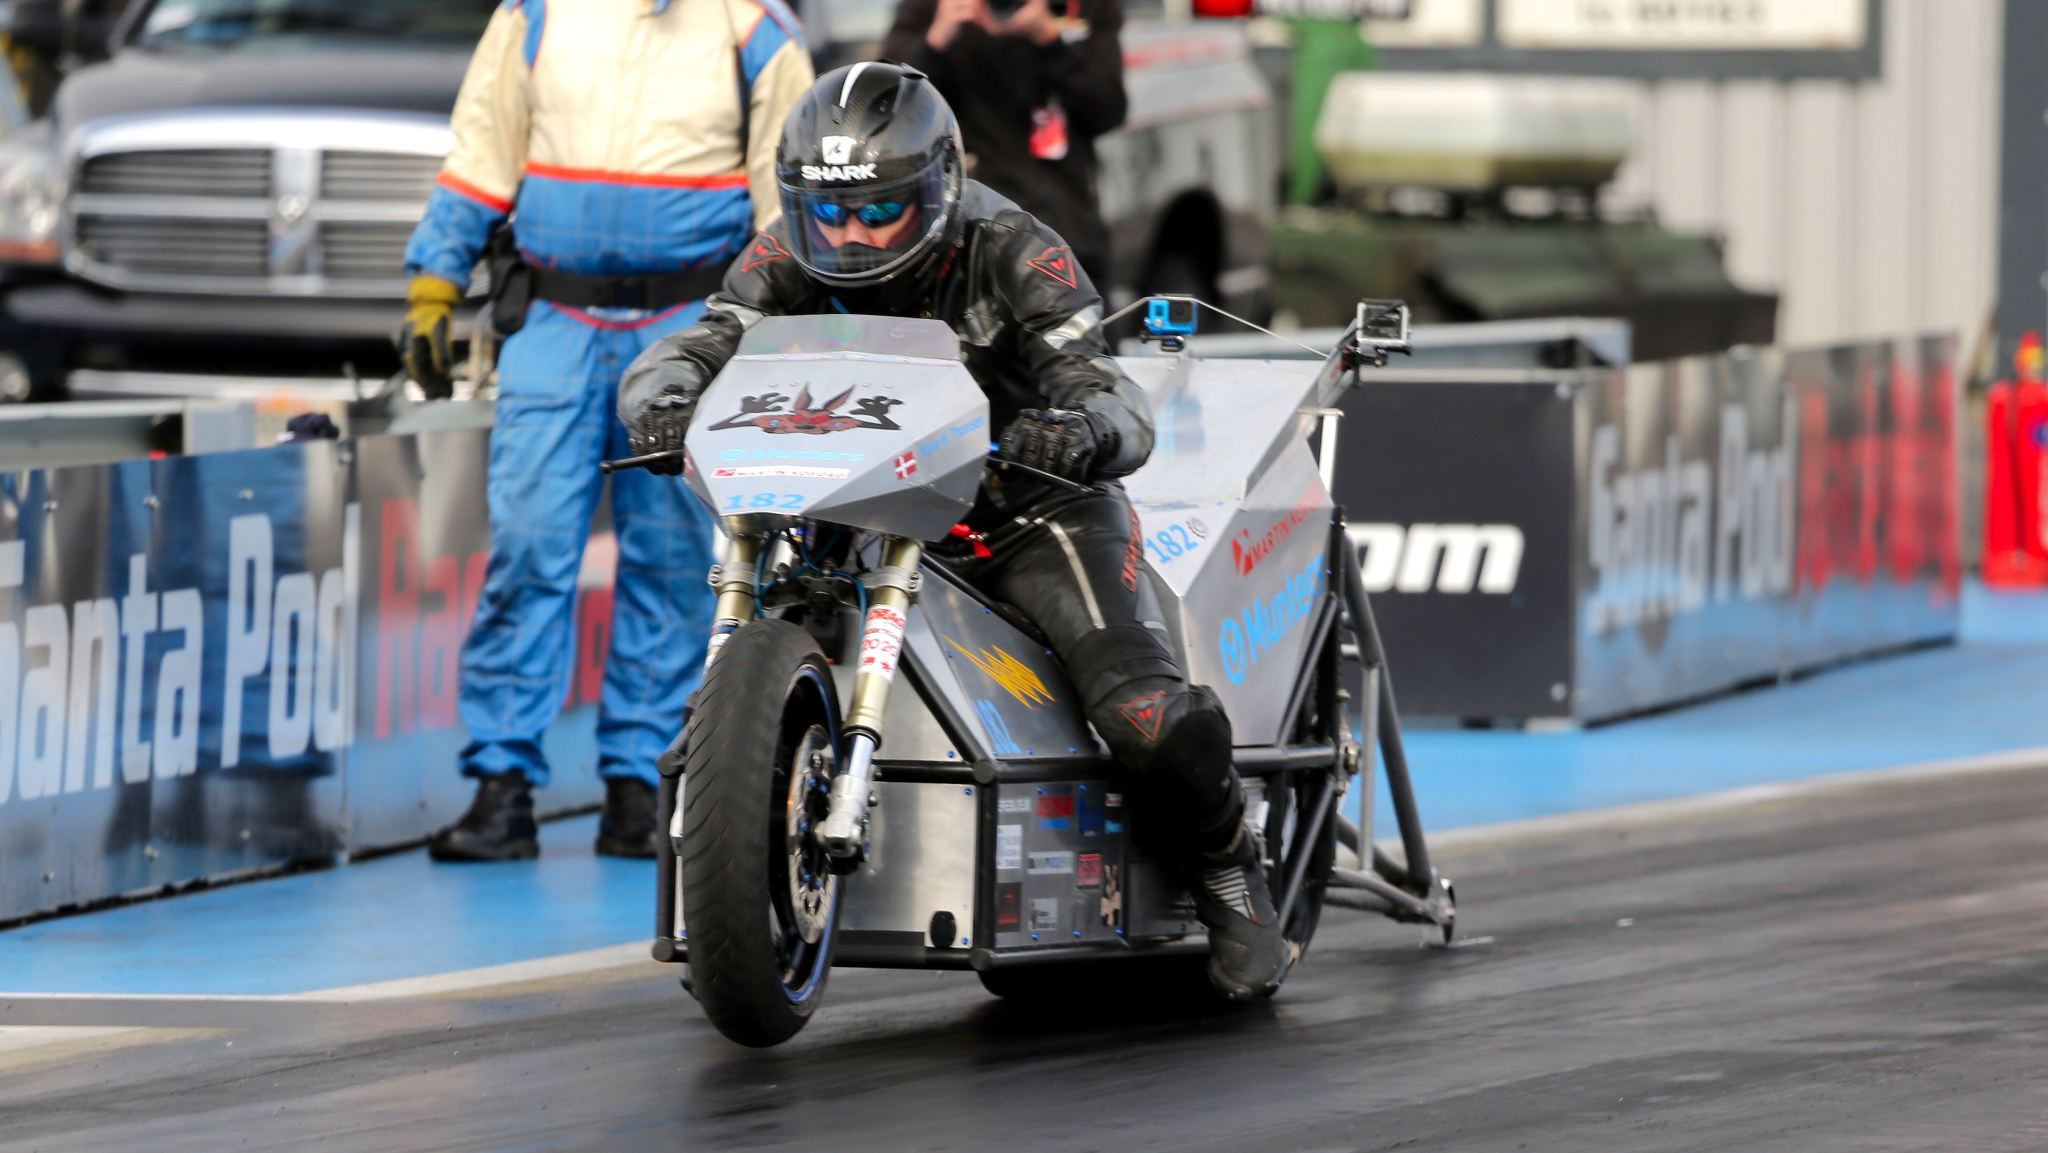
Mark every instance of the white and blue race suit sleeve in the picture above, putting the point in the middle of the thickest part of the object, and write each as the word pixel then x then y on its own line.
pixel 611 132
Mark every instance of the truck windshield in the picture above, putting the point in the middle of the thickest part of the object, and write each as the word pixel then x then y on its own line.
pixel 201 22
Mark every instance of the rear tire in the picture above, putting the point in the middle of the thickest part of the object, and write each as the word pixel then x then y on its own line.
pixel 1139 980
pixel 1315 880
pixel 760 738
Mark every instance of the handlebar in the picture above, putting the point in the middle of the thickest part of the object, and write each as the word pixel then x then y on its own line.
pixel 611 466
pixel 1041 474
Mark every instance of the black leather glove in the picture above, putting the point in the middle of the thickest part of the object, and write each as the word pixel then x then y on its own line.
pixel 1064 443
pixel 657 398
pixel 660 427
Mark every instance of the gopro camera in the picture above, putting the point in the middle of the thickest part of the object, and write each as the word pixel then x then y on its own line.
pixel 1381 329
pixel 1170 320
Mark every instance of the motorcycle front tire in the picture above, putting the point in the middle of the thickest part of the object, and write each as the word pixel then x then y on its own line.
pixel 759 955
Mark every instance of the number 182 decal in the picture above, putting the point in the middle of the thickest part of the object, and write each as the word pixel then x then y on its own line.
pixel 764 501
pixel 1175 541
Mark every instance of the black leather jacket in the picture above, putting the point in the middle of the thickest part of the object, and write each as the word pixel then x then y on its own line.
pixel 1029 322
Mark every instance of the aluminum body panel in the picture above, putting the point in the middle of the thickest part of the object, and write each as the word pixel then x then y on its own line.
pixel 922 863
pixel 1233 515
pixel 1002 681
pixel 1059 864
pixel 871 422
pixel 909 730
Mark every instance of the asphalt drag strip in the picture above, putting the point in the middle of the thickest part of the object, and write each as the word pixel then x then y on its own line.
pixel 1842 966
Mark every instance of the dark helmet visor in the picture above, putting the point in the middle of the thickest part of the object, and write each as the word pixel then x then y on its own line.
pixel 864 233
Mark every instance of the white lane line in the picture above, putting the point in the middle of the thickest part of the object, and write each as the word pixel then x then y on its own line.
pixel 15 1038
pixel 433 984
pixel 1706 804
pixel 517 972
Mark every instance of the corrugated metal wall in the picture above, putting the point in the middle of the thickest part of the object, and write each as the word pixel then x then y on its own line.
pixel 1871 208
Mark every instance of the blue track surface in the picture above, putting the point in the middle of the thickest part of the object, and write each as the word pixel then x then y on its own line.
pixel 403 916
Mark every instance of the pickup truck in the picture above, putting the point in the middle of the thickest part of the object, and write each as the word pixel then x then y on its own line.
pixel 229 193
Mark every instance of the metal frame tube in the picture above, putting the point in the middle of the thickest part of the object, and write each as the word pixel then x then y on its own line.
pixel 1304 846
pixel 1421 878
pixel 1406 905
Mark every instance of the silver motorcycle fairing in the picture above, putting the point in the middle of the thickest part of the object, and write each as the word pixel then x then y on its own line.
pixel 869 422
pixel 1235 520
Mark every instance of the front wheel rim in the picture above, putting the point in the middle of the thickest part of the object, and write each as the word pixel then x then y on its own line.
pixel 803 890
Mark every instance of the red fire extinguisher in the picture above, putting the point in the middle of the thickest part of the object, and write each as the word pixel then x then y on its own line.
pixel 2015 503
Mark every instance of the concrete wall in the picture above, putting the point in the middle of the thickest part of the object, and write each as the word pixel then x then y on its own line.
pixel 1873 207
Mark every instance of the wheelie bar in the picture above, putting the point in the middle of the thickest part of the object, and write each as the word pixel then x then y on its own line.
pixel 1418 881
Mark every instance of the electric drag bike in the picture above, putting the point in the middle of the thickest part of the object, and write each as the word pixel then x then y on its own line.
pixel 884 768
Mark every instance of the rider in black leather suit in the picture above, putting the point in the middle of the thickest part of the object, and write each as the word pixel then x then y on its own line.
pixel 879 220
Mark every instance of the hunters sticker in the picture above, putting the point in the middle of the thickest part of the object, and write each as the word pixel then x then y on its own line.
pixel 1057 262
pixel 1051 864
pixel 798 471
pixel 765 412
pixel 1009 846
pixel 881 641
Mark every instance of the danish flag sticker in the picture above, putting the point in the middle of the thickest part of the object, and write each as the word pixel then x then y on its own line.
pixel 906 466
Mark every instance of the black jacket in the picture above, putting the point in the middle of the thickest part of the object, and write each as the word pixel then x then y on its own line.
pixel 995 83
pixel 1029 321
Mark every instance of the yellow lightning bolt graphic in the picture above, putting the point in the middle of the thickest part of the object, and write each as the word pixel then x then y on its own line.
pixel 1014 675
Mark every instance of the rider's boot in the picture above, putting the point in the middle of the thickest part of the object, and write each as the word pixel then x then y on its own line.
pixel 1248 956
pixel 627 827
pixel 498 826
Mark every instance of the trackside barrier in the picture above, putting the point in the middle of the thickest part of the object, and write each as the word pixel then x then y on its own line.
pixel 1581 545
pixel 217 664
pixel 2015 441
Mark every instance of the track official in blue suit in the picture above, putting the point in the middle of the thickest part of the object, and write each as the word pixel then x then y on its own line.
pixel 632 145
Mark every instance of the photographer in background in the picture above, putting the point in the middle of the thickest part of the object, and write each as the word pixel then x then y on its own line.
pixel 1034 82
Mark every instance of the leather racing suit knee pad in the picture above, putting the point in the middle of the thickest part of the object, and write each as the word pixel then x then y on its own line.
pixel 1173 738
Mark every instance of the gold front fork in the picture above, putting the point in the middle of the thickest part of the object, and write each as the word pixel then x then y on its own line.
pixel 733 577
pixel 891 590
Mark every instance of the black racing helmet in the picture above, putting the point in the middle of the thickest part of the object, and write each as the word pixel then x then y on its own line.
pixel 869 147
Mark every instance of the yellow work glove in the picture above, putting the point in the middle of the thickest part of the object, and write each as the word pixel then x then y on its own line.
pixel 423 338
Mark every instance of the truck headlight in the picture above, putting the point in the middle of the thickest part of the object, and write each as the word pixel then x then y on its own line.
pixel 31 196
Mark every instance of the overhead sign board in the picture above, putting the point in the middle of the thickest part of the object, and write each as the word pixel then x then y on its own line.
pixel 1815 25
pixel 1390 10
pixel 1628 38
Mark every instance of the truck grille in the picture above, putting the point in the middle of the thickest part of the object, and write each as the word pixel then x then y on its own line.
pixel 190 172
pixel 290 221
pixel 377 176
pixel 363 251
pixel 238 248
